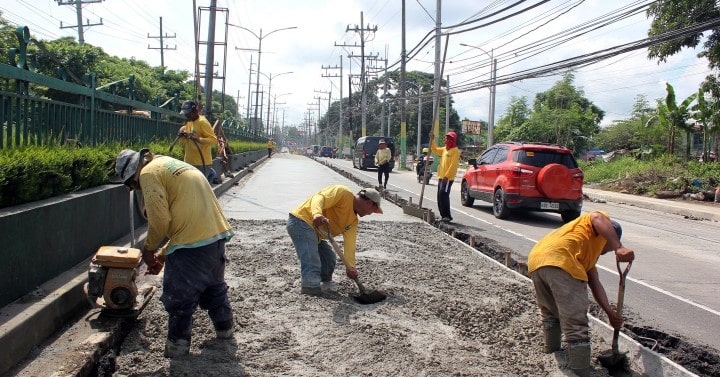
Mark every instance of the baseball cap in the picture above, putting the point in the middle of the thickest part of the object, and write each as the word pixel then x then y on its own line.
pixel 187 107
pixel 451 135
pixel 381 141
pixel 126 164
pixel 373 195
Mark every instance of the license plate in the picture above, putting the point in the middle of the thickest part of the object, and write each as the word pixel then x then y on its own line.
pixel 549 205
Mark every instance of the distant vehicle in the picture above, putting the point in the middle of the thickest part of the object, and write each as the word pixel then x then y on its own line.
pixel 524 176
pixel 363 154
pixel 284 150
pixel 326 151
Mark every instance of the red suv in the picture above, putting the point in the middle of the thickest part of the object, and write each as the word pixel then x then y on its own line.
pixel 535 177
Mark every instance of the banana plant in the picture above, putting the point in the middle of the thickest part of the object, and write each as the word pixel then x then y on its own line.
pixel 674 116
pixel 708 117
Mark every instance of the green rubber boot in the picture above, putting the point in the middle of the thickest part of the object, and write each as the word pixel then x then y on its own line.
pixel 552 332
pixel 579 355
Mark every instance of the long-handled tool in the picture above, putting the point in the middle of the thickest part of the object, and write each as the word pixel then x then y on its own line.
pixel 365 297
pixel 614 360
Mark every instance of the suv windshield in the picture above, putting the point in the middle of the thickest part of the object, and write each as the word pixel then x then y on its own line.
pixel 543 158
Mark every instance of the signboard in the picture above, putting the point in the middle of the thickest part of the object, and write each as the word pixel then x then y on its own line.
pixel 473 127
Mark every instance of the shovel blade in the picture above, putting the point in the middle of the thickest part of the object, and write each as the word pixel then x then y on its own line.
pixel 615 362
pixel 368 298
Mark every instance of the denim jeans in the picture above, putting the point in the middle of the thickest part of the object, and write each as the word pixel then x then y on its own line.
pixel 317 258
pixel 196 277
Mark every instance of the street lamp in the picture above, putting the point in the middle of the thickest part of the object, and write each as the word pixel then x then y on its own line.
pixel 493 76
pixel 270 78
pixel 259 51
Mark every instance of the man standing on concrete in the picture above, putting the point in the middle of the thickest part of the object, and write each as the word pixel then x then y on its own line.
pixel 562 266
pixel 446 172
pixel 337 207
pixel 382 161
pixel 197 139
pixel 182 209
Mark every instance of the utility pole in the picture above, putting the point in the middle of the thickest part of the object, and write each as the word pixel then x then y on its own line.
pixel 78 10
pixel 340 143
pixel 403 112
pixel 162 45
pixel 361 29
pixel 327 116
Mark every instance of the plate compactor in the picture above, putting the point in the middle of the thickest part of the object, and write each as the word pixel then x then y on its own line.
pixel 112 284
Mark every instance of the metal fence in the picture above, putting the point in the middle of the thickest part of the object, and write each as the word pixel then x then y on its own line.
pixel 30 119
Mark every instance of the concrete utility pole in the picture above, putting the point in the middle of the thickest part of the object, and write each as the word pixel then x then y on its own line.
pixel 403 112
pixel 78 10
pixel 438 74
pixel 210 63
pixel 162 45
pixel 360 29
pixel 340 143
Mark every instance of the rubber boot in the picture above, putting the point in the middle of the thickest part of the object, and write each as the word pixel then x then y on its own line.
pixel 579 355
pixel 177 348
pixel 553 334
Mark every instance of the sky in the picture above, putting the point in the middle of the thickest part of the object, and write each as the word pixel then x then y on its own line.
pixel 299 38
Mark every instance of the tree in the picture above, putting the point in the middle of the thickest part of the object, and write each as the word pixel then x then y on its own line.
pixel 670 15
pixel 674 116
pixel 563 116
pixel 516 114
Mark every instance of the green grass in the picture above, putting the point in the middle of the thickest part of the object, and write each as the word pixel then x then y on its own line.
pixel 645 177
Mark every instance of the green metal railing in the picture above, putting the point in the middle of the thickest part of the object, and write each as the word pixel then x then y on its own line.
pixel 30 119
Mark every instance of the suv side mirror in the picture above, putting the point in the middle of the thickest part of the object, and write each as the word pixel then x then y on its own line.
pixel 473 162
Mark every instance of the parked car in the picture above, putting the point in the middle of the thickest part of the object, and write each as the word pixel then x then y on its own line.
pixel 365 148
pixel 326 151
pixel 525 176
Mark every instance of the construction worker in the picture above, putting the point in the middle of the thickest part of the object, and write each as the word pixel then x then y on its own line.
pixel 182 209
pixel 562 266
pixel 197 139
pixel 338 207
pixel 270 146
pixel 446 171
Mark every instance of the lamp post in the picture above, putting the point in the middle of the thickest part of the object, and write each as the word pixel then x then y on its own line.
pixel 275 103
pixel 259 51
pixel 270 78
pixel 493 76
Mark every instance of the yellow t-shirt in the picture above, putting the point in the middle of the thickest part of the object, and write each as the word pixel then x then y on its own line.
pixel 270 144
pixel 206 138
pixel 180 206
pixel 336 203
pixel 383 156
pixel 574 247
pixel 449 161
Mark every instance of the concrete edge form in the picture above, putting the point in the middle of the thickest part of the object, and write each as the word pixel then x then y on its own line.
pixel 32 319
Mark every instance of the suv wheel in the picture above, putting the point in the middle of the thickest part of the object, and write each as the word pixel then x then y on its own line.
pixel 500 208
pixel 465 198
pixel 569 215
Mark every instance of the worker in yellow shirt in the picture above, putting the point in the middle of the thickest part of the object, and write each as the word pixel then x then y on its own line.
pixel 197 139
pixel 446 171
pixel 270 146
pixel 338 207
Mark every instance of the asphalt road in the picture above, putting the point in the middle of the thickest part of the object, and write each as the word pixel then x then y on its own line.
pixel 673 283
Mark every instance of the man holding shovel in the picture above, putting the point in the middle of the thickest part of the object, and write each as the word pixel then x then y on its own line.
pixel 562 266
pixel 338 207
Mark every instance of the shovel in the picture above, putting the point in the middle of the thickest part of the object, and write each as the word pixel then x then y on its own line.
pixel 614 360
pixel 365 297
